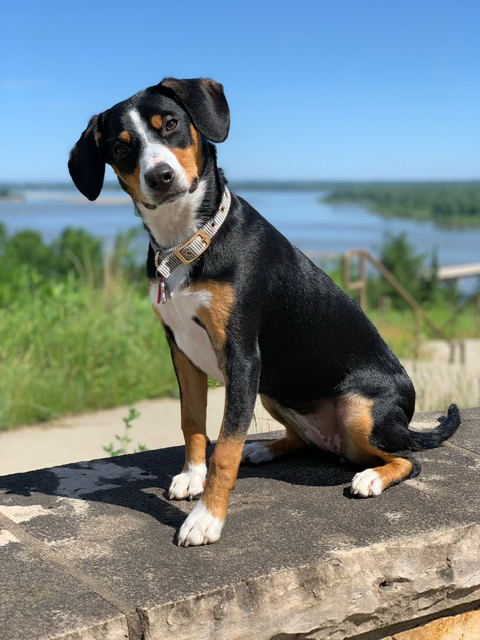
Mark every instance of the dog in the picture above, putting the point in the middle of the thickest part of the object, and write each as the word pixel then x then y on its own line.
pixel 240 303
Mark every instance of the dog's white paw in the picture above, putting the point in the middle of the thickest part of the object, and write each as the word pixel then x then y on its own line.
pixel 256 452
pixel 367 483
pixel 201 527
pixel 188 484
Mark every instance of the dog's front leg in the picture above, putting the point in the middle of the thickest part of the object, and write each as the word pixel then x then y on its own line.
pixel 193 385
pixel 204 524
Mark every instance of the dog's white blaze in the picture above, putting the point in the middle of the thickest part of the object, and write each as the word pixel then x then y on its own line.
pixel 154 152
pixel 173 222
pixel 178 313
pixel 201 527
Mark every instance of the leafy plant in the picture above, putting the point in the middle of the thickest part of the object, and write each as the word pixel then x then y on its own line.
pixel 125 440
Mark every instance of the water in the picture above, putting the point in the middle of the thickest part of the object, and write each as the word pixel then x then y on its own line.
pixel 308 223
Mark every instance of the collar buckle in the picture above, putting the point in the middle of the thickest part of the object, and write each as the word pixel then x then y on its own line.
pixel 193 248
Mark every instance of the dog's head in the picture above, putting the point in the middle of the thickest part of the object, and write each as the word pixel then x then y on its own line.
pixel 156 141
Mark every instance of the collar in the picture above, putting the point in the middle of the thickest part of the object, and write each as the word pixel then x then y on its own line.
pixel 168 259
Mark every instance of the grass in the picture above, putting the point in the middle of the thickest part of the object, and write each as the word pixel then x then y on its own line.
pixel 80 348
pixel 398 327
pixel 84 348
pixel 77 336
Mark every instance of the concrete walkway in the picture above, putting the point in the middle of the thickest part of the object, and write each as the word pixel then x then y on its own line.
pixel 82 436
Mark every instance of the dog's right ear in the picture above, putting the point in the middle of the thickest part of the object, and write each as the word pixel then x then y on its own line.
pixel 87 162
pixel 204 100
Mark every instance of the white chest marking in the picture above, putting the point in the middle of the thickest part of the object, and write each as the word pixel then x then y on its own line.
pixel 178 313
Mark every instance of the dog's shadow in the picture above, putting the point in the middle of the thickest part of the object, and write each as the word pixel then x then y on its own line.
pixel 140 481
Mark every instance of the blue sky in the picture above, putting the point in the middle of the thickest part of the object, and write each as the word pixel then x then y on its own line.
pixel 318 89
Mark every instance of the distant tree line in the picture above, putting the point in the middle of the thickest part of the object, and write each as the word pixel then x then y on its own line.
pixel 448 202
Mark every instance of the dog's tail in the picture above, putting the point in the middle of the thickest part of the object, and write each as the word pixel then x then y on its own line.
pixel 447 426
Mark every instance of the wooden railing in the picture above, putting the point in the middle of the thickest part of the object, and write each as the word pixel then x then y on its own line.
pixel 360 284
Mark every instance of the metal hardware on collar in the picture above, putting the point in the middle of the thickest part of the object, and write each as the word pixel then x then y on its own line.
pixel 166 260
pixel 186 252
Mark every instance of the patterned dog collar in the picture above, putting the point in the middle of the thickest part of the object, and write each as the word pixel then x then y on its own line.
pixel 166 260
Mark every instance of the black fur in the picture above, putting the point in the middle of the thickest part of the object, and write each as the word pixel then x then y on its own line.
pixel 204 101
pixel 292 335
pixel 447 427
pixel 87 162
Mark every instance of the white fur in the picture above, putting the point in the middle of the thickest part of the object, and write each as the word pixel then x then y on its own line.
pixel 177 313
pixel 201 527
pixel 188 484
pixel 367 483
pixel 173 222
pixel 256 452
pixel 154 152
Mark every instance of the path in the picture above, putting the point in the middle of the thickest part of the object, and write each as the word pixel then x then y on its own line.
pixel 82 436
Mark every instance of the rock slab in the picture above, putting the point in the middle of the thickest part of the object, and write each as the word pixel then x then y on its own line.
pixel 87 550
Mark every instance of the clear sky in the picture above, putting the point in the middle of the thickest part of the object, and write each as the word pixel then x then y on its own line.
pixel 318 89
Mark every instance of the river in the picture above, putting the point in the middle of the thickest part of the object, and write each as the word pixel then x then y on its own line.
pixel 308 223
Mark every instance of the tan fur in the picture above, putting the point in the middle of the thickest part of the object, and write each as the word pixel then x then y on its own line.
pixel 215 317
pixel 156 121
pixel 356 421
pixel 224 463
pixel 351 415
pixel 191 157
pixel 132 181
pixel 394 471
pixel 222 475
pixel 193 385
pixel 125 136
pixel 192 381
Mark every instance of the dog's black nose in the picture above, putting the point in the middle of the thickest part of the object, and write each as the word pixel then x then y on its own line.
pixel 160 177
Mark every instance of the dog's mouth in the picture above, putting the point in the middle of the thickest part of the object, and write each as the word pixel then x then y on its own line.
pixel 170 197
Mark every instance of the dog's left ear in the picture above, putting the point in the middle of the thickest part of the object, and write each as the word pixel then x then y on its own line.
pixel 87 162
pixel 205 102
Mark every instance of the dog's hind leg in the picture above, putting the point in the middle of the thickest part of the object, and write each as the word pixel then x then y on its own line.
pixel 256 452
pixel 355 417
pixel 372 482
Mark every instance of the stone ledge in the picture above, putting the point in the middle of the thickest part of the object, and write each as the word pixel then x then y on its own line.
pixel 87 551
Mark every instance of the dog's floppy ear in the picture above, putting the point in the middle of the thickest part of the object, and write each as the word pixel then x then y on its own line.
pixel 205 102
pixel 87 163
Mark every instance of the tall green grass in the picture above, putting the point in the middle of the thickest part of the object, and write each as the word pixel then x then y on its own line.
pixel 80 348
pixel 77 331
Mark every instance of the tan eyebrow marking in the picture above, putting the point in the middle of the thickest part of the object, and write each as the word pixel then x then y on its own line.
pixel 125 136
pixel 156 121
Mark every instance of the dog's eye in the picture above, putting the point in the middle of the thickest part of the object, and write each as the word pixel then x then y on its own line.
pixel 171 124
pixel 121 150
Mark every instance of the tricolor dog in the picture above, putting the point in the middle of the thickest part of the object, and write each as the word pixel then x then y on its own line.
pixel 240 303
